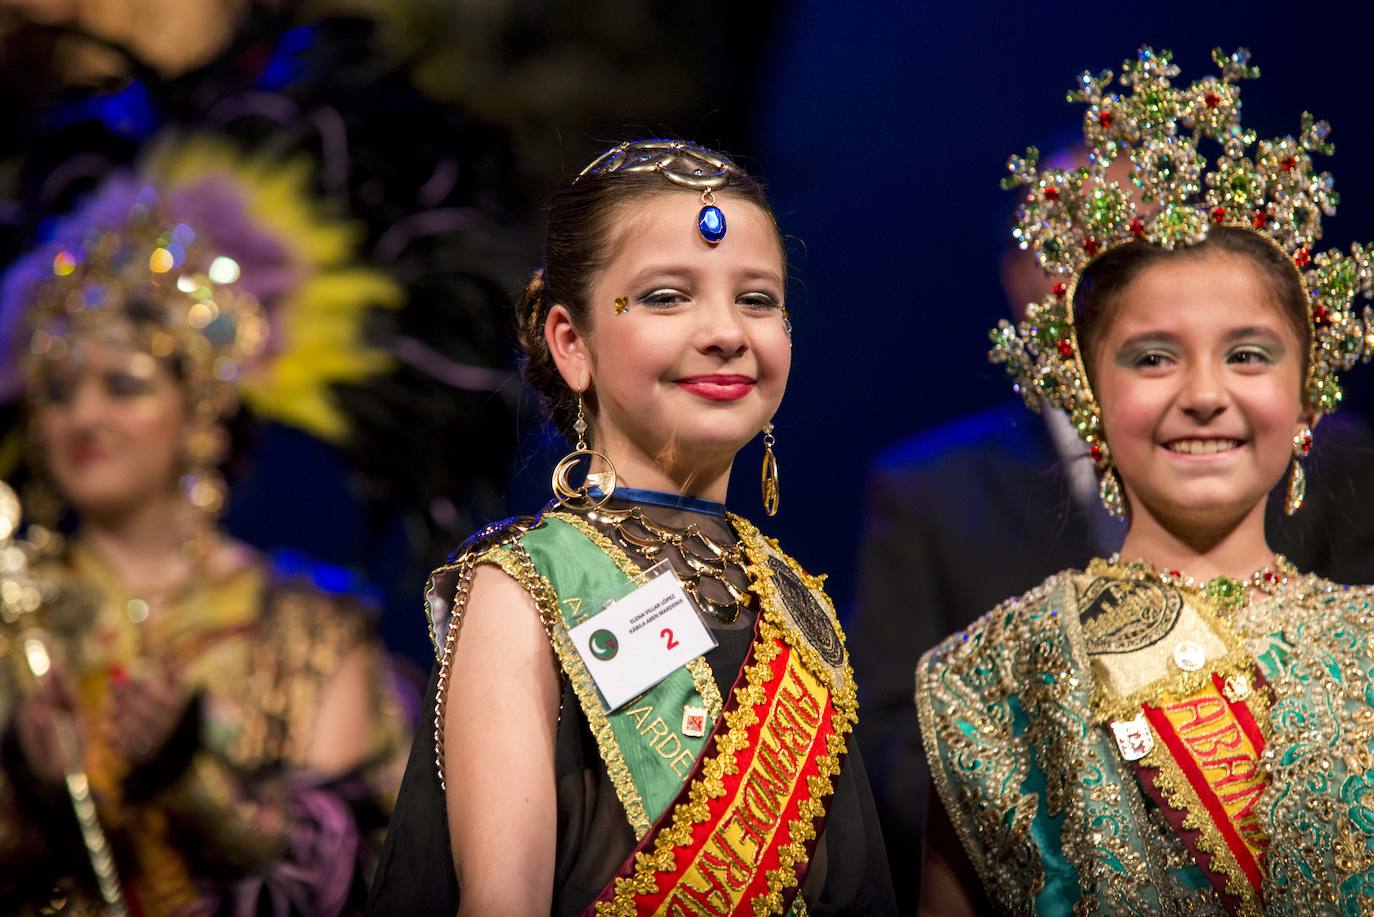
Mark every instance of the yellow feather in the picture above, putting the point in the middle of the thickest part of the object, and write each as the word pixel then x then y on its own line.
pixel 318 327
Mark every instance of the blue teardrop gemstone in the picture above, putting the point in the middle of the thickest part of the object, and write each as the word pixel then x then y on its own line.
pixel 711 223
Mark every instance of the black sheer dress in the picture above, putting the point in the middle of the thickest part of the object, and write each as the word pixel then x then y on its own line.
pixel 848 872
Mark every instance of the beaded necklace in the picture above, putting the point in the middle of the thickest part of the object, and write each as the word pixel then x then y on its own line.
pixel 1229 593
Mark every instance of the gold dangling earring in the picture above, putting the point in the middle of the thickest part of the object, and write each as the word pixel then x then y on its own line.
pixel 203 485
pixel 564 493
pixel 1297 478
pixel 1109 492
pixel 769 477
pixel 1109 483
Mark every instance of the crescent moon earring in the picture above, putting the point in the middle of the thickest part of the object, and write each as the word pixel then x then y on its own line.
pixel 581 497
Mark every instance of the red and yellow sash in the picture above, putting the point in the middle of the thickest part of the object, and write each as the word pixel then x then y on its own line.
pixel 738 837
pixel 1206 773
pixel 742 828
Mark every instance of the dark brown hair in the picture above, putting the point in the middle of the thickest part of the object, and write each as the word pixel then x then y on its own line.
pixel 1099 290
pixel 578 245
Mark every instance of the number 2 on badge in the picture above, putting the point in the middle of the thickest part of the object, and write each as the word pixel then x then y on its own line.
pixel 667 634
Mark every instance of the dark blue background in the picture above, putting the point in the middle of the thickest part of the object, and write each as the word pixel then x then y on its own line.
pixel 882 130
pixel 885 132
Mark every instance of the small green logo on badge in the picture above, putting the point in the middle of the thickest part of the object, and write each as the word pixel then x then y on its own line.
pixel 604 645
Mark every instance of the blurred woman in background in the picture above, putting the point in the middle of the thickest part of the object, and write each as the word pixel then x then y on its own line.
pixel 237 727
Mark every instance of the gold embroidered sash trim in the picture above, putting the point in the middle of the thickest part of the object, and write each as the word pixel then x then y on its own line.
pixel 740 835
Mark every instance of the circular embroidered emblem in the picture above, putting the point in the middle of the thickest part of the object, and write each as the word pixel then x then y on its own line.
pixel 603 644
pixel 810 617
pixel 1122 616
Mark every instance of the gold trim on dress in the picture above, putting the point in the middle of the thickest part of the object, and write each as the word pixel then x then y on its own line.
pixel 519 566
pixel 774 624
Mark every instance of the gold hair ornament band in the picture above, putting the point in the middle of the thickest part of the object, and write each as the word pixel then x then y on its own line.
pixel 682 163
pixel 1070 217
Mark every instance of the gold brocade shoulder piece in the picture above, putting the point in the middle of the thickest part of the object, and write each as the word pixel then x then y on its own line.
pixel 996 700
pixel 996 832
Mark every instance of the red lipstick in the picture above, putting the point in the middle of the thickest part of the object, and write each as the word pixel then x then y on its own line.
pixel 85 451
pixel 718 386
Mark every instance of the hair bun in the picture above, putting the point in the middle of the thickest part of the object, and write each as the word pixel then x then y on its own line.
pixel 530 309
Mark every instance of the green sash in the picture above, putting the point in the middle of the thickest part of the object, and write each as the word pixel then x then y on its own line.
pixel 646 754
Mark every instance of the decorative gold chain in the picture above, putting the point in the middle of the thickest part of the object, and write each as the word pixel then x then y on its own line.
pixel 703 556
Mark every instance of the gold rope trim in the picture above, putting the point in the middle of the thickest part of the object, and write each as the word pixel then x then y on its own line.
pixel 844 697
pixel 710 783
pixel 700 669
pixel 518 565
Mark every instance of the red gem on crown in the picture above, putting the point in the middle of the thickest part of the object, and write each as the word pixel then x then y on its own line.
pixel 1065 348
pixel 1302 258
pixel 1212 99
pixel 1259 219
pixel 1096 452
pixel 1090 245
pixel 1051 193
pixel 1137 227
pixel 1105 119
pixel 1060 289
pixel 1218 214
pixel 1288 164
pixel 1321 316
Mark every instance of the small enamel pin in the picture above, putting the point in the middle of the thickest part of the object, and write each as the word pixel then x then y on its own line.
pixel 693 721
pixel 1133 737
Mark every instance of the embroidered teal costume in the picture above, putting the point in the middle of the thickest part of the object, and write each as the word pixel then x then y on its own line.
pixel 1053 818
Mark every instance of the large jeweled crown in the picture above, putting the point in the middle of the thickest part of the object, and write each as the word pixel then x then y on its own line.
pixel 1069 217
pixel 227 262
pixel 144 281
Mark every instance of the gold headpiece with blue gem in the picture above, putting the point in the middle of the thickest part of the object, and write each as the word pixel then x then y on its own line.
pixel 1070 217
pixel 681 162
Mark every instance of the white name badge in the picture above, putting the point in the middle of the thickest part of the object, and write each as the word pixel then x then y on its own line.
pixel 641 639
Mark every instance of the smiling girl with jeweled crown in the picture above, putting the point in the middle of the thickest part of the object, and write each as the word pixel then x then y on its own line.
pixel 590 751
pixel 1185 727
